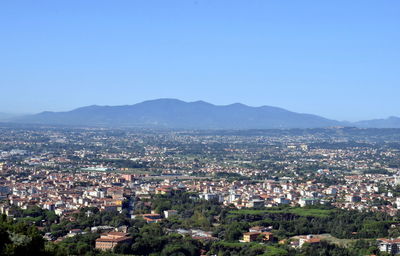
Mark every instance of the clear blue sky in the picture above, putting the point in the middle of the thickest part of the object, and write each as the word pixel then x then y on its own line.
pixel 338 59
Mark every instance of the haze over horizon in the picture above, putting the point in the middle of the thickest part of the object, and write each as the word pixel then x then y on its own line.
pixel 339 60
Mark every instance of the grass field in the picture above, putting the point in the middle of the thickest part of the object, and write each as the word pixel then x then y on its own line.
pixel 305 212
pixel 269 250
pixel 273 251
pixel 311 212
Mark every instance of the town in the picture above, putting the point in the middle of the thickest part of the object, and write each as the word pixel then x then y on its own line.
pixel 281 192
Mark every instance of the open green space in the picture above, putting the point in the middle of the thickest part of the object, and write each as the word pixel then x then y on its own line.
pixel 305 212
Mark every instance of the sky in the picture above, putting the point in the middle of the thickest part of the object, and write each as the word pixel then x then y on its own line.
pixel 338 59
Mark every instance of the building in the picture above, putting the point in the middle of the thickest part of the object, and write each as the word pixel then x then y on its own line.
pixel 108 241
pixel 4 190
pixel 331 191
pixel 257 203
pixel 250 236
pixel 74 232
pixel 260 229
pixel 397 180
pixel 304 147
pixel 310 239
pixel 128 177
pixel 281 200
pixel 254 236
pixel 308 201
pixel 390 246
pixel 170 213
pixel 49 206
pixel 164 190
pixel 353 198
pixel 115 192
pixel 211 197
pixel 152 218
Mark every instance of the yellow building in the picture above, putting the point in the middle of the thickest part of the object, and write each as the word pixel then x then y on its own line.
pixel 254 236
pixel 109 241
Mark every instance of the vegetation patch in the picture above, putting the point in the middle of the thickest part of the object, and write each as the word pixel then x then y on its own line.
pixel 304 212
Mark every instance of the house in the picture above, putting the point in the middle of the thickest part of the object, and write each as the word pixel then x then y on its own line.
pixel 281 200
pixel 128 177
pixel 308 201
pixel 256 203
pixel 110 208
pixel 260 229
pixel 170 213
pixel 74 232
pixel 8 210
pixel 49 206
pixel 353 198
pixel 152 218
pixel 108 241
pixel 115 192
pixel 210 197
pixel 391 246
pixel 164 190
pixel 200 235
pixel 101 229
pixel 254 236
pixel 250 236
pixel 310 239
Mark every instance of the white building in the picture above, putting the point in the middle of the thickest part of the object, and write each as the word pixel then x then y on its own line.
pixel 170 213
pixel 308 201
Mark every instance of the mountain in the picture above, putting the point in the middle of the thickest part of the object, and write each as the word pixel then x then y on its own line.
pixel 175 114
pixel 6 116
pixel 391 122
pixel 172 113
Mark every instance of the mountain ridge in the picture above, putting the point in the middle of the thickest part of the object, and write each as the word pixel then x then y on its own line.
pixel 174 113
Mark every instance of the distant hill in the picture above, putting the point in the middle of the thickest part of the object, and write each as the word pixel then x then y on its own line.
pixel 176 114
pixel 391 122
pixel 6 116
pixel 172 113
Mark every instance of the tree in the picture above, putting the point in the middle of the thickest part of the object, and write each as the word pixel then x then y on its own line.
pixel 4 238
pixel 235 231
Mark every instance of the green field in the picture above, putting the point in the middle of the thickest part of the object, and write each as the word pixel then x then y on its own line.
pixel 305 212
pixel 274 251
pixel 269 250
